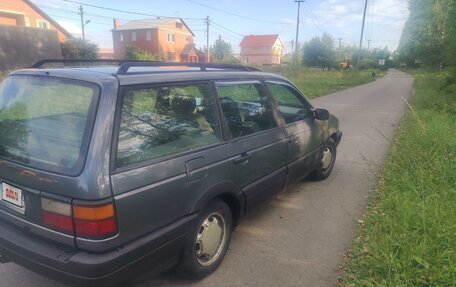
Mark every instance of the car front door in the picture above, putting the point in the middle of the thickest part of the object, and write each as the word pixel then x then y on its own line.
pixel 257 145
pixel 303 132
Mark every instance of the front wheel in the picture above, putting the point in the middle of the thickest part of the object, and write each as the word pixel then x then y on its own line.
pixel 207 245
pixel 327 160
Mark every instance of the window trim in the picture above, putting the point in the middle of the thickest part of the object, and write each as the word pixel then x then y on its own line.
pixel 171 37
pixel 117 120
pixel 133 36
pixel 148 35
pixel 275 113
pixel 294 91
pixel 39 21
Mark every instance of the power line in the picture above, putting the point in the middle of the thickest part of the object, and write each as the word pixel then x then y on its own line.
pixel 125 11
pixel 319 26
pixel 231 31
pixel 234 14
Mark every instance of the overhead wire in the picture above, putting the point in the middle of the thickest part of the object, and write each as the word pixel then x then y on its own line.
pixel 234 14
pixel 318 25
pixel 125 11
pixel 226 29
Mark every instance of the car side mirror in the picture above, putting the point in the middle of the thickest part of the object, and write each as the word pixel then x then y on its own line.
pixel 321 114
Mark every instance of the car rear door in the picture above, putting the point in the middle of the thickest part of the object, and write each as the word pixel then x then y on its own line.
pixel 168 153
pixel 303 132
pixel 257 145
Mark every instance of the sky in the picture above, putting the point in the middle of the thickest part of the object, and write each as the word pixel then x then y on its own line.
pixel 232 19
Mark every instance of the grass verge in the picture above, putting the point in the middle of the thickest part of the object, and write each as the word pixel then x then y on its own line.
pixel 315 82
pixel 408 234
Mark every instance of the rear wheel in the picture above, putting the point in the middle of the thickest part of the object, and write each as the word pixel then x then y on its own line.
pixel 326 163
pixel 207 245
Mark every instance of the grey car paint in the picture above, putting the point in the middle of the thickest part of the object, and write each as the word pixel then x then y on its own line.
pixel 154 194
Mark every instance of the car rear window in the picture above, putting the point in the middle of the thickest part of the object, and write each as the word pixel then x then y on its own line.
pixel 45 122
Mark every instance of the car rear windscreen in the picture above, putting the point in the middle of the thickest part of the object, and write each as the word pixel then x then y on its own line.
pixel 46 122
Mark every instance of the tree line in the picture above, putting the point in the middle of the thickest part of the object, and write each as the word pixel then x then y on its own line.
pixel 429 36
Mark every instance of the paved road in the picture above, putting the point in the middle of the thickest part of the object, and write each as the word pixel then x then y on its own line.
pixel 298 238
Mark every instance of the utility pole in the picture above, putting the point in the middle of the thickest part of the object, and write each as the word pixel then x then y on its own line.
pixel 292 47
pixel 208 52
pixel 81 12
pixel 340 40
pixel 362 31
pixel 368 44
pixel 297 31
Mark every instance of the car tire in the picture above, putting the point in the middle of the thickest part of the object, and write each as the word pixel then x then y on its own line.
pixel 208 242
pixel 326 162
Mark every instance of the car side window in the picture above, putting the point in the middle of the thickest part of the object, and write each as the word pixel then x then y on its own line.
pixel 291 105
pixel 165 120
pixel 246 107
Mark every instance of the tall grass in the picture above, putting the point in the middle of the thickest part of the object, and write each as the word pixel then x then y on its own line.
pixel 316 82
pixel 408 235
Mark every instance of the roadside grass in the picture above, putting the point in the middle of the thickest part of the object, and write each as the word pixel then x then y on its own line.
pixel 315 82
pixel 407 236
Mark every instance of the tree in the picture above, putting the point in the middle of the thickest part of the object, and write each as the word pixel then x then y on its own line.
pixel 222 52
pixel 79 49
pixel 319 52
pixel 428 36
pixel 138 54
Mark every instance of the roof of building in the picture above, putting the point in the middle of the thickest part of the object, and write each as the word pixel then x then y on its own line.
pixel 260 40
pixel 188 49
pixel 48 18
pixel 149 24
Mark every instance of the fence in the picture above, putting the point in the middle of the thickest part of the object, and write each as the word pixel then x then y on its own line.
pixel 22 46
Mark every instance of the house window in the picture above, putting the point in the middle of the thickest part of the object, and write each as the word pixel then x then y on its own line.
pixel 43 24
pixel 133 36
pixel 179 25
pixel 120 37
pixel 171 37
pixel 148 36
pixel 171 57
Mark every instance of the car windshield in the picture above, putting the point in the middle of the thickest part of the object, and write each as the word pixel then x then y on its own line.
pixel 45 122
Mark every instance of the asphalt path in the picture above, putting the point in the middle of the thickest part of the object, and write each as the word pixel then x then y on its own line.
pixel 299 237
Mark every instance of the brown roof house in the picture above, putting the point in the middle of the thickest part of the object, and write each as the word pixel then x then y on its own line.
pixel 24 13
pixel 261 50
pixel 169 38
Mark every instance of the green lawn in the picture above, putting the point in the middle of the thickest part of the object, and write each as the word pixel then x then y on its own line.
pixel 315 82
pixel 408 234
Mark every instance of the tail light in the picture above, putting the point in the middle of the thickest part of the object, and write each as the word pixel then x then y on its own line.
pixel 85 221
pixel 57 215
pixel 95 222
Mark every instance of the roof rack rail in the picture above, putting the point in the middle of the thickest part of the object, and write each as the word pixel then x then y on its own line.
pixel 125 66
pixel 43 62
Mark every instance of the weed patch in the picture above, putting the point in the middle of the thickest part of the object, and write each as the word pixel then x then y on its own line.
pixel 408 234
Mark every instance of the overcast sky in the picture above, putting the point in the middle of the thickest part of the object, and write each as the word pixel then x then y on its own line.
pixel 234 18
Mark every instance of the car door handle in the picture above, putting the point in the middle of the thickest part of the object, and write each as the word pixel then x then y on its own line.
pixel 243 159
pixel 294 139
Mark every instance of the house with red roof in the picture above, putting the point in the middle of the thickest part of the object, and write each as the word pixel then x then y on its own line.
pixel 24 13
pixel 169 38
pixel 261 50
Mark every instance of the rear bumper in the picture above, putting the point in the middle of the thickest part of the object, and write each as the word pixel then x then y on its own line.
pixel 154 252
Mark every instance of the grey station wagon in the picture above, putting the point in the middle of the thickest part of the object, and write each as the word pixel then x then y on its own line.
pixel 108 171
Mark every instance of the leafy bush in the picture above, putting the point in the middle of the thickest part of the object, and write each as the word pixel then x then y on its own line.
pixel 138 54
pixel 79 49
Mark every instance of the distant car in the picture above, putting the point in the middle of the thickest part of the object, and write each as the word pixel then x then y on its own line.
pixel 108 171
